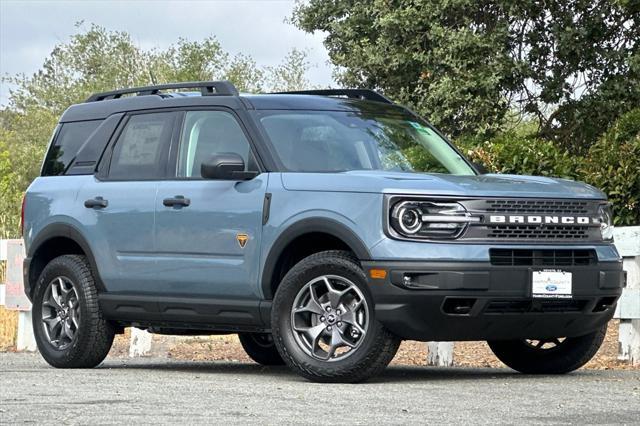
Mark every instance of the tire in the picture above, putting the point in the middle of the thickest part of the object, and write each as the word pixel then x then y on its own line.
pixel 372 346
pixel 260 348
pixel 89 335
pixel 569 355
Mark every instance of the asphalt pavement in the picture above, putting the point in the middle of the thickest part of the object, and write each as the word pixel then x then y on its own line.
pixel 148 390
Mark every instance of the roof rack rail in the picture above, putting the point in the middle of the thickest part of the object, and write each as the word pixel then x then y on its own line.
pixel 207 88
pixel 365 94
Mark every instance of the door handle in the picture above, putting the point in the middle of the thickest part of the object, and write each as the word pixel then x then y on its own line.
pixel 98 202
pixel 178 200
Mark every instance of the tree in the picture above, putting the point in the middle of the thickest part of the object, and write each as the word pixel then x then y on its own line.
pixel 96 60
pixel 572 65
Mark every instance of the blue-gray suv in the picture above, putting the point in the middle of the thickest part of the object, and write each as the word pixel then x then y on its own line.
pixel 299 221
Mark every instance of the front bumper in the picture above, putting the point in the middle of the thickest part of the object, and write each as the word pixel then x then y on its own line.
pixel 447 301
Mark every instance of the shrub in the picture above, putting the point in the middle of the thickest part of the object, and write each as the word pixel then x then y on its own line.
pixel 613 165
pixel 515 153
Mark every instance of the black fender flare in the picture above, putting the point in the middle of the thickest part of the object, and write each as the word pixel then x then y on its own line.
pixel 306 226
pixel 57 230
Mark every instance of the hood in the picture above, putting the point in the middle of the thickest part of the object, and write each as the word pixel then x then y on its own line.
pixel 490 185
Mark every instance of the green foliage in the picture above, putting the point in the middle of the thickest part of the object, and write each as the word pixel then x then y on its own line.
pixel 573 66
pixel 97 60
pixel 613 165
pixel 512 153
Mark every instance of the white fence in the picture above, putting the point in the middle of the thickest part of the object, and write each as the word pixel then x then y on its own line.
pixel 12 295
pixel 440 353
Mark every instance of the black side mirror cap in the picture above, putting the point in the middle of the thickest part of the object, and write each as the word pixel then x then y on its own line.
pixel 225 166
pixel 481 169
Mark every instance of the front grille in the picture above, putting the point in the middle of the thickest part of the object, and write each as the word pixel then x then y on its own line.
pixel 517 257
pixel 538 206
pixel 524 232
pixel 534 306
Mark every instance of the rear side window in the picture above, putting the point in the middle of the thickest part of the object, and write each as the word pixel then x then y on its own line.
pixel 69 140
pixel 141 150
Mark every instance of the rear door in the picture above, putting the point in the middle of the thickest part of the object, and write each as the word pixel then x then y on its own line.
pixel 119 203
pixel 210 244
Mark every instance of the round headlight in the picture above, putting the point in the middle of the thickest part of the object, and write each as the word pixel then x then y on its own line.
pixel 409 219
pixel 429 219
pixel 606 222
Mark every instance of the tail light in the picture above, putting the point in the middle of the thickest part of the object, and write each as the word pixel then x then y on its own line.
pixel 24 199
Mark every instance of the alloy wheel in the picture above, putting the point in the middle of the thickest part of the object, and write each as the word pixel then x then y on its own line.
pixel 60 312
pixel 329 318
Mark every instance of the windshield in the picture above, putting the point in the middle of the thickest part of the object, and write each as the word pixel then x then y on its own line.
pixel 335 141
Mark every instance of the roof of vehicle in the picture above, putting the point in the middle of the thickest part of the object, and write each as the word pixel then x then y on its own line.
pixel 101 105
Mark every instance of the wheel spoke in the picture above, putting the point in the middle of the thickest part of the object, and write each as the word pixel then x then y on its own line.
pixel 68 331
pixel 54 298
pixel 64 291
pixel 312 332
pixel 74 319
pixel 345 339
pixel 351 319
pixel 56 333
pixel 335 296
pixel 51 323
pixel 313 305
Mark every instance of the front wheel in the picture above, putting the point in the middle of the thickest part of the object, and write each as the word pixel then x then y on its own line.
pixel 548 356
pixel 323 321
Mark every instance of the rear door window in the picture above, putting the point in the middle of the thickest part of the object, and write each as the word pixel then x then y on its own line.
pixel 141 150
pixel 69 140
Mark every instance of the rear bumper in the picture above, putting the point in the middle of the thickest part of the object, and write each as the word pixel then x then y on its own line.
pixel 480 301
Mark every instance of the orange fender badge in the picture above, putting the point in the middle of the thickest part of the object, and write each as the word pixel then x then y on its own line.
pixel 242 239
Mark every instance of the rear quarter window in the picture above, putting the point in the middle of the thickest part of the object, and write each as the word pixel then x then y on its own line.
pixel 64 148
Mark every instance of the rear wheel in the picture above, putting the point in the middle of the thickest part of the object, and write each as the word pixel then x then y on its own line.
pixel 323 321
pixel 260 348
pixel 67 322
pixel 549 356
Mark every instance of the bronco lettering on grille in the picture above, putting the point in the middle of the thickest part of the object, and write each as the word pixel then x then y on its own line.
pixel 547 220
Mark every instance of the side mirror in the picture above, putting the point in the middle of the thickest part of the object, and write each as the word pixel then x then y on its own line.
pixel 480 168
pixel 225 166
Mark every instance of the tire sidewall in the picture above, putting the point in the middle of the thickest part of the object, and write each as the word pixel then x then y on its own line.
pixel 56 268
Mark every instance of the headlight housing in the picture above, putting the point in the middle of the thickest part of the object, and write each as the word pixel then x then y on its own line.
pixel 428 219
pixel 606 222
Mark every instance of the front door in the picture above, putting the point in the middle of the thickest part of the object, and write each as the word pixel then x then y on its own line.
pixel 208 231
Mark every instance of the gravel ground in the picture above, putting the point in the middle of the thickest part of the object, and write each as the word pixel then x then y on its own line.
pixel 466 354
pixel 149 390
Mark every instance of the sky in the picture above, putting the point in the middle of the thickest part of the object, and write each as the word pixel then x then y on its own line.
pixel 29 29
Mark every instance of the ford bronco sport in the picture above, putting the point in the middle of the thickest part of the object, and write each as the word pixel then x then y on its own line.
pixel 299 221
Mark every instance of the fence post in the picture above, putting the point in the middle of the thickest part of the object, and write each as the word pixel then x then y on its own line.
pixel 14 298
pixel 627 241
pixel 440 354
pixel 140 343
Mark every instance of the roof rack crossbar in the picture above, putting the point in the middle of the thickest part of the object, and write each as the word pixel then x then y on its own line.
pixel 365 94
pixel 207 88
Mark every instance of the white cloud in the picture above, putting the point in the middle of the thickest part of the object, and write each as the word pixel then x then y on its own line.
pixel 30 29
